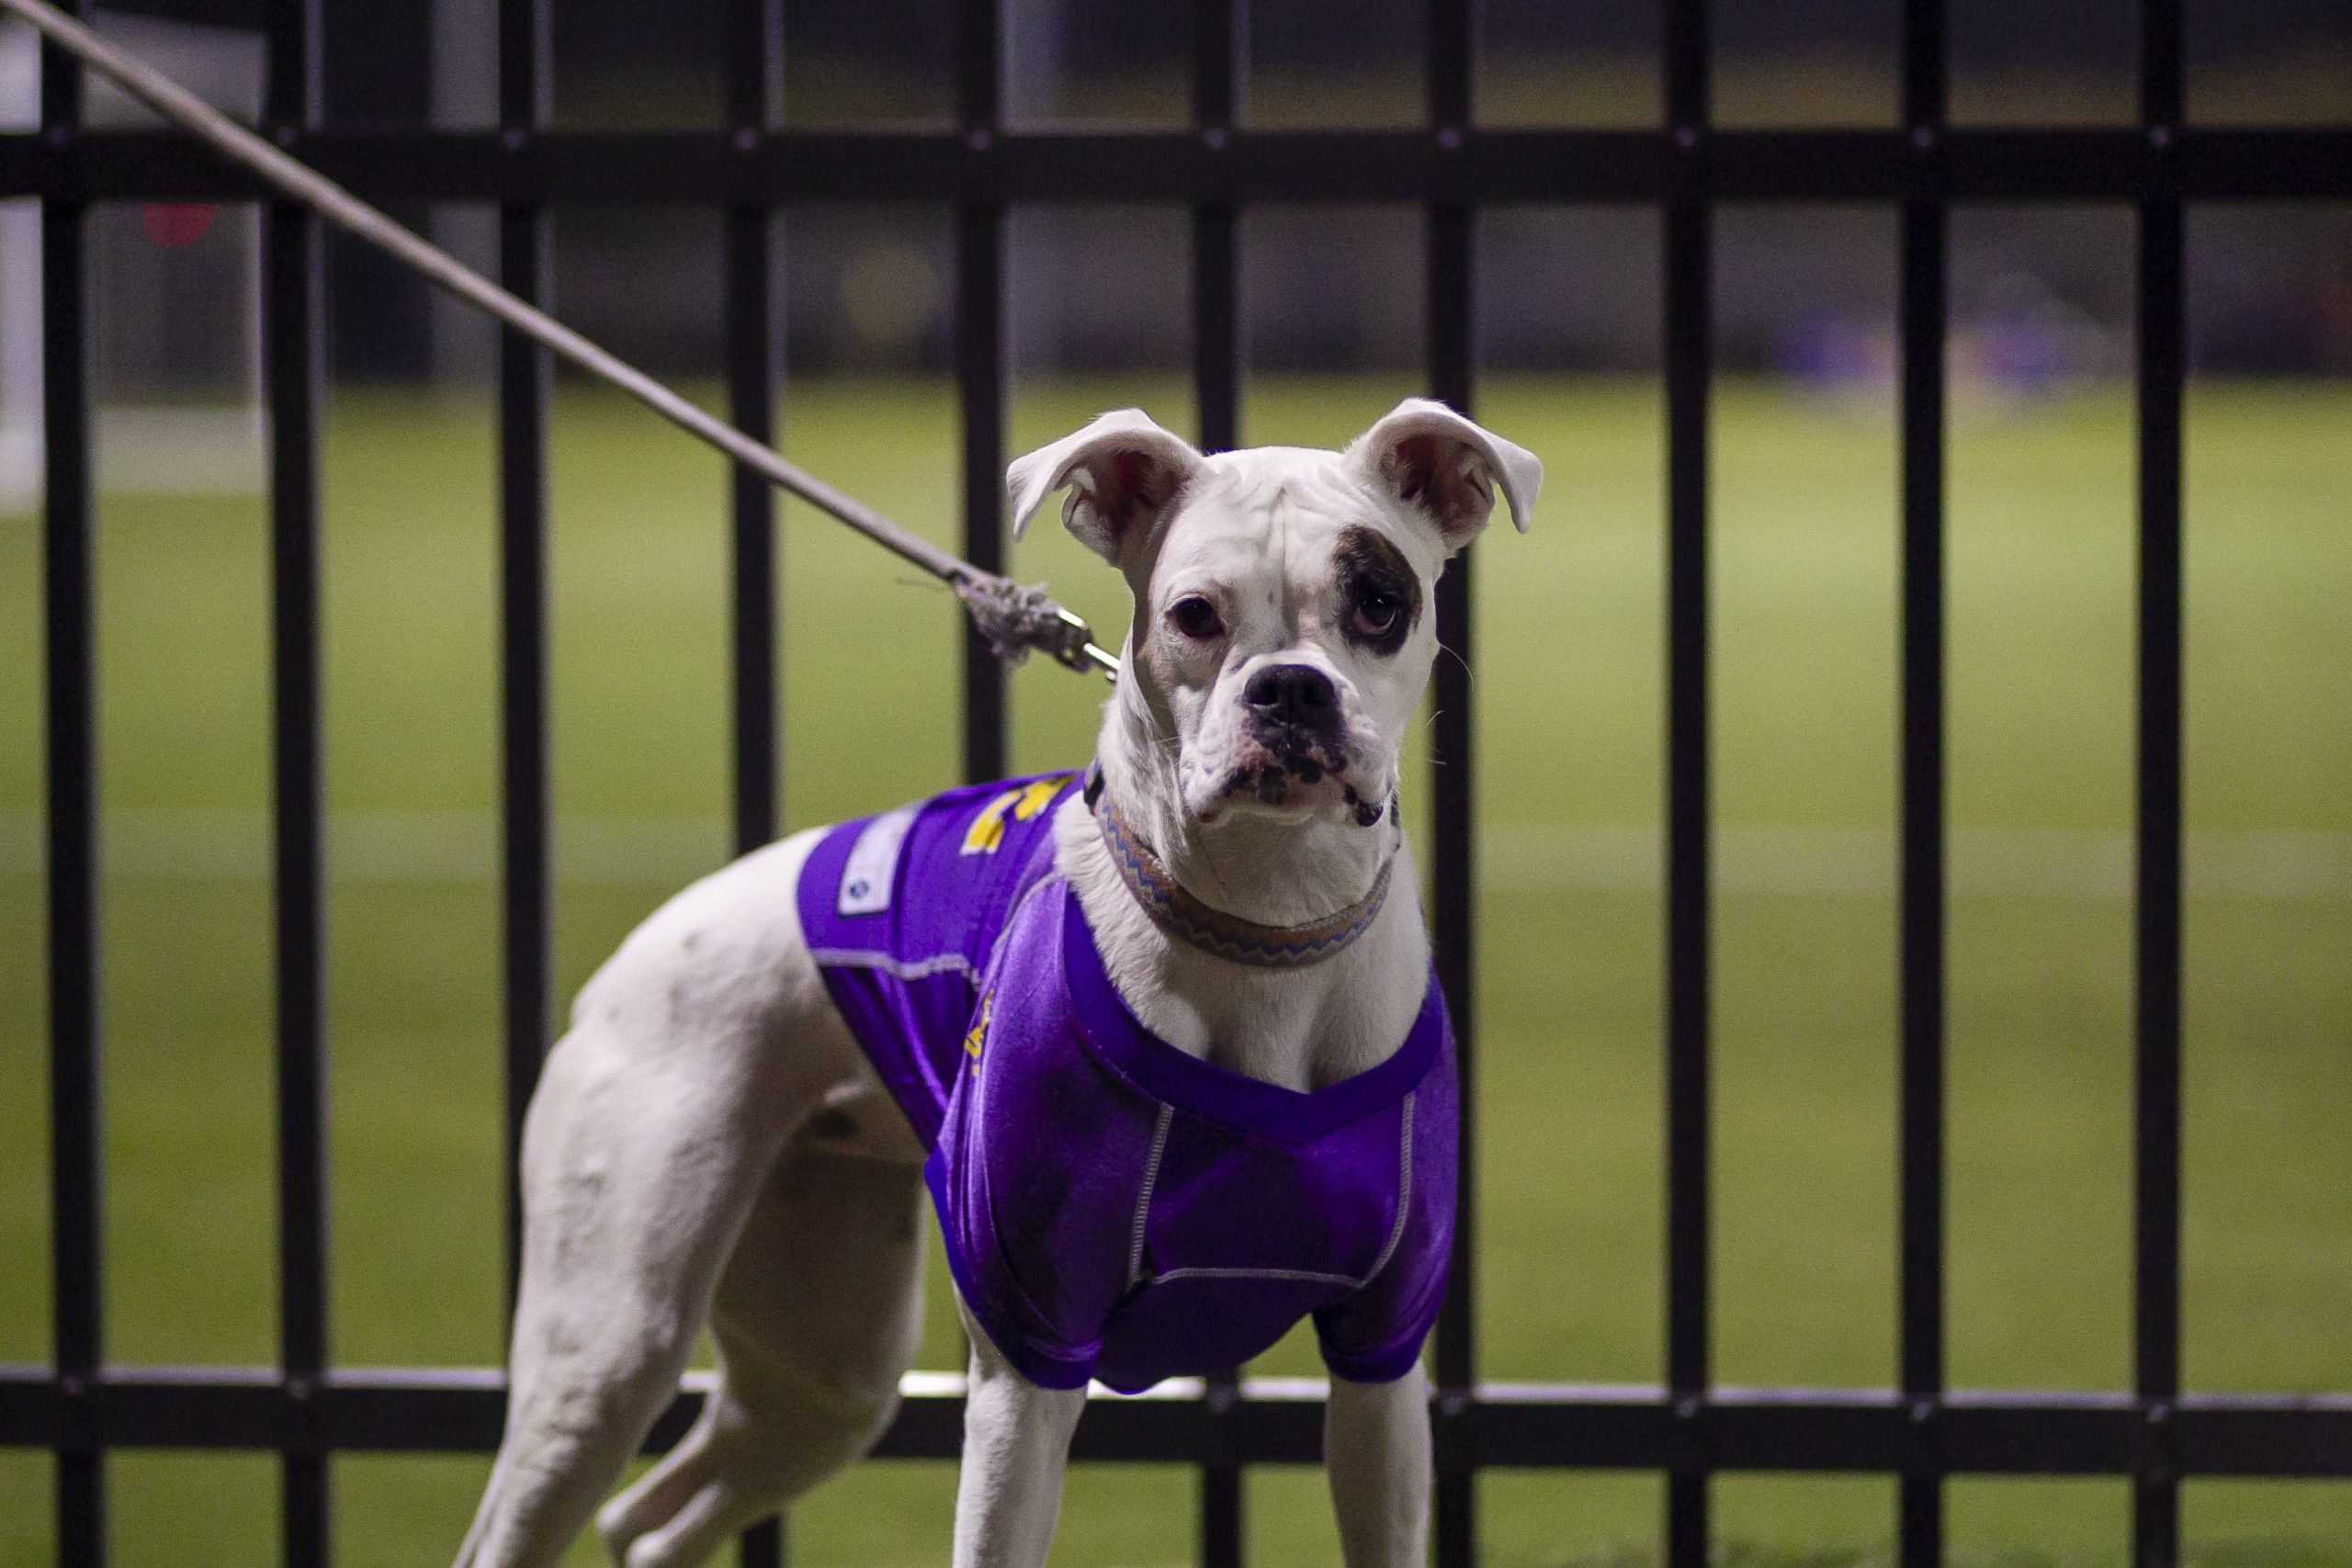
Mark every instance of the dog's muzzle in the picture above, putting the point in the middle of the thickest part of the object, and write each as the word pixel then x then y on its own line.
pixel 1295 731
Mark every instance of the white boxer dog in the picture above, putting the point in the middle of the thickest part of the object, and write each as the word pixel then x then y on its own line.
pixel 1227 897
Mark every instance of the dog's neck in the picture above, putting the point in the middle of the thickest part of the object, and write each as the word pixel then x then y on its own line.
pixel 1301 1028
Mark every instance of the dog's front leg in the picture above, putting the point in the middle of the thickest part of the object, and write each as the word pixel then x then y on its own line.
pixel 1376 1452
pixel 1016 1444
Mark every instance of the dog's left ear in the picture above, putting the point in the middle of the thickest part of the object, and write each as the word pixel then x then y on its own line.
pixel 1448 468
pixel 1121 471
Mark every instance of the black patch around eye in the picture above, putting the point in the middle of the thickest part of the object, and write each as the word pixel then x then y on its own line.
pixel 1378 582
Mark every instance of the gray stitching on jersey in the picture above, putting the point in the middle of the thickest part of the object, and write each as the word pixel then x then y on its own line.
pixel 1306 1276
pixel 896 968
pixel 935 964
pixel 1404 1194
pixel 1012 915
pixel 1143 1197
pixel 1300 1274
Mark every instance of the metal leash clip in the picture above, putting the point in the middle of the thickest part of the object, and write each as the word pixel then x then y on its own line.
pixel 1077 648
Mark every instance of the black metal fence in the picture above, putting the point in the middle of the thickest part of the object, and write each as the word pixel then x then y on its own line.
pixel 1920 1431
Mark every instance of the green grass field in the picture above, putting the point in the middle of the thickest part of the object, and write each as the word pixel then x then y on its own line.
pixel 1569 1160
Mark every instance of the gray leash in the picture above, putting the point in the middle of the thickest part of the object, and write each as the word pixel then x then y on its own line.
pixel 1011 618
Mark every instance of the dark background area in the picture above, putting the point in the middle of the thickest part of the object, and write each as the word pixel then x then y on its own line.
pixel 868 288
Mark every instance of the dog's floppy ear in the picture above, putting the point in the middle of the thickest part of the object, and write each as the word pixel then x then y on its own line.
pixel 1448 468
pixel 1121 471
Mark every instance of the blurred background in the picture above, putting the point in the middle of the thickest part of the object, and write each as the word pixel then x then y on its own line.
pixel 1569 663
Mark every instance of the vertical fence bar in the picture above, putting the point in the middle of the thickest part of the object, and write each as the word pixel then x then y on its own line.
pixel 981 369
pixel 754 101
pixel 2155 1487
pixel 1920 1491
pixel 69 590
pixel 1220 65
pixel 1447 280
pixel 524 52
pixel 1220 61
pixel 755 107
pixel 1689 351
pixel 293 318
pixel 1217 352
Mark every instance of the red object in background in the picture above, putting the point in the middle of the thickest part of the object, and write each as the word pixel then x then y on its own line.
pixel 175 224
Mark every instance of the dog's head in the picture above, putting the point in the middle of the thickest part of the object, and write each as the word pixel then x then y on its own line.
pixel 1285 618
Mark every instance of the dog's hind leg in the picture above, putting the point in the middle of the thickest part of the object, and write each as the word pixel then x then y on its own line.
pixel 818 1314
pixel 656 1122
pixel 631 1206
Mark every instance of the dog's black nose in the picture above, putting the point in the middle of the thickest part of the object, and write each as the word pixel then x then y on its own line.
pixel 1293 694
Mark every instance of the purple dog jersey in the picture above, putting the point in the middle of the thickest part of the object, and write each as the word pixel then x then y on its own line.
pixel 1112 1207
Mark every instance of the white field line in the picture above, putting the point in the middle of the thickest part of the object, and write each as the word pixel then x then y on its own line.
pixel 147 451
pixel 2033 862
pixel 458 847
pixel 426 847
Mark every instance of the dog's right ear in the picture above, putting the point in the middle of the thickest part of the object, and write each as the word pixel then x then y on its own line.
pixel 1121 471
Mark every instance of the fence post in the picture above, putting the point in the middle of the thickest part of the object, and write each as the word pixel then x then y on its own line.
pixel 2155 1487
pixel 293 318
pixel 980 364
pixel 524 96
pixel 1688 366
pixel 69 589
pixel 1919 1530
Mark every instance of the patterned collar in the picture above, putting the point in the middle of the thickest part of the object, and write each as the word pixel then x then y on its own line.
pixel 1212 930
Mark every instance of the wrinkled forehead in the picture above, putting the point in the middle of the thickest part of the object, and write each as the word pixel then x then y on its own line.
pixel 1283 508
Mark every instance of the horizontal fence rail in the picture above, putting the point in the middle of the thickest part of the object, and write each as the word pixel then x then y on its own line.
pixel 1277 1421
pixel 589 168
pixel 753 171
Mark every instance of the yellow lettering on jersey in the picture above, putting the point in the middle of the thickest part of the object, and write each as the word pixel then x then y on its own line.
pixel 978 1036
pixel 986 835
pixel 1038 796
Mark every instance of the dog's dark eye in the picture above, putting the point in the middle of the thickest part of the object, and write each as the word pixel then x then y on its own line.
pixel 1195 617
pixel 1376 614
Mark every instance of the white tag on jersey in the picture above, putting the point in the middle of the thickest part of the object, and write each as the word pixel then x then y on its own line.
pixel 873 863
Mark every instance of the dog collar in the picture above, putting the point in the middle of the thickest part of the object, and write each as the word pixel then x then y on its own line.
pixel 1212 930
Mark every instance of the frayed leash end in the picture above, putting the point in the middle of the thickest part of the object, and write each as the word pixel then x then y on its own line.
pixel 1014 617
